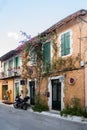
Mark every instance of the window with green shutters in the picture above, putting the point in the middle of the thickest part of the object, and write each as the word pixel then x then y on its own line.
pixel 5 67
pixel 16 63
pixel 65 44
pixel 11 64
pixel 32 57
pixel 46 55
pixel 10 68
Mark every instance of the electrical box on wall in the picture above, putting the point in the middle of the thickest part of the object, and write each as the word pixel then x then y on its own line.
pixel 22 82
pixel 82 63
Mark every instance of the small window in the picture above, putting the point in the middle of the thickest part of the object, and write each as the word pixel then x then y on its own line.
pixel 65 44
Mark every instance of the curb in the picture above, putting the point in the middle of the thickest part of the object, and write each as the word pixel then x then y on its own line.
pixel 68 118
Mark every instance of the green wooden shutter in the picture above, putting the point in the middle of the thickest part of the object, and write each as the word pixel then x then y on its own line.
pixel 62 45
pixel 16 64
pixel 67 43
pixel 11 63
pixel 46 53
pixel 46 57
pixel 32 57
pixel 5 67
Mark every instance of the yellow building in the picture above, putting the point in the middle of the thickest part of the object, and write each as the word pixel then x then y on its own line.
pixel 10 72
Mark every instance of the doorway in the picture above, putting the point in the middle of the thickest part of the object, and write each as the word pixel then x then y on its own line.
pixel 32 92
pixel 16 89
pixel 4 90
pixel 56 94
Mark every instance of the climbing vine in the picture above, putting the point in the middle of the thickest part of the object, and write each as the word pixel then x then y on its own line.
pixel 64 64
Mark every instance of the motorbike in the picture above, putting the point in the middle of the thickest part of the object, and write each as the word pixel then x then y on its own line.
pixel 21 103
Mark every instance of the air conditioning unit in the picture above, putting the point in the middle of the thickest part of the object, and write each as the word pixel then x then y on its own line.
pixel 82 63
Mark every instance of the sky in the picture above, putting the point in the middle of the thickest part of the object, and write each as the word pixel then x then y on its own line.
pixel 31 17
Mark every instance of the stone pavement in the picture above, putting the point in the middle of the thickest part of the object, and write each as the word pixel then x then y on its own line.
pixel 53 114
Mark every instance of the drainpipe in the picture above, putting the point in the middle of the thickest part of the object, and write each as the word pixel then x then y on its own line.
pixel 84 80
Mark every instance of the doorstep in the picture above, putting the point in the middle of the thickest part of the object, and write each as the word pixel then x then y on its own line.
pixel 7 102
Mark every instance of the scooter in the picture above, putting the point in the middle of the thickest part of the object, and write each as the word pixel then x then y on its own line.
pixel 21 103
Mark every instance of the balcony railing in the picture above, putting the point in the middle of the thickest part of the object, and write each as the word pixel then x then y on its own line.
pixel 16 71
pixel 2 75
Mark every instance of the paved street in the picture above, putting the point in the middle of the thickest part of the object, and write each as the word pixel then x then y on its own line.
pixel 13 119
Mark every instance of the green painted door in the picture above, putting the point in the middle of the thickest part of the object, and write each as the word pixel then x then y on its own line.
pixel 4 89
pixel 32 92
pixel 16 89
pixel 56 94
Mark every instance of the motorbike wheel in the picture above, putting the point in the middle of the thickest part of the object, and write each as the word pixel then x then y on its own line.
pixel 25 107
pixel 15 105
